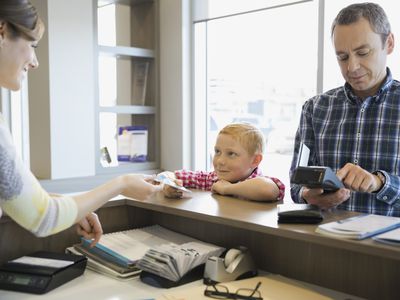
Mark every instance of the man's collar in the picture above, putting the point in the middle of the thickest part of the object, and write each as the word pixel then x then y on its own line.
pixel 377 97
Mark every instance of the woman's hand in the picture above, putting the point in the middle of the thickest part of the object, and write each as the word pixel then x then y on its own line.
pixel 90 228
pixel 139 186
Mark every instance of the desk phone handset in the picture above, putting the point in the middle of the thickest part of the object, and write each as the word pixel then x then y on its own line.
pixel 237 264
pixel 317 177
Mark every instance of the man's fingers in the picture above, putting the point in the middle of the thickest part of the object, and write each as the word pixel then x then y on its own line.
pixel 314 192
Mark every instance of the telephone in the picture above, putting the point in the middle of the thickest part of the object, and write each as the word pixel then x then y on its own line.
pixel 237 264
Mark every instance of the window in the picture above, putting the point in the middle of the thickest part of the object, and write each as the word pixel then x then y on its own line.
pixel 260 64
pixel 259 69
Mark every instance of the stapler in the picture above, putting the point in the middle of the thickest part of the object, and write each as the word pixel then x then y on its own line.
pixel 237 264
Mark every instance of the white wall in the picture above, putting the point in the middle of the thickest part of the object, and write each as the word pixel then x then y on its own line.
pixel 175 81
pixel 62 92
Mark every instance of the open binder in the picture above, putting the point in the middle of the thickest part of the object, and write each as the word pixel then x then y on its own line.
pixel 165 258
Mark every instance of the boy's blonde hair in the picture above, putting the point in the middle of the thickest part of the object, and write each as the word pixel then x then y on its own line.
pixel 249 136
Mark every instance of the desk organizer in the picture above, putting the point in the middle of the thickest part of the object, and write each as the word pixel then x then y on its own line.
pixel 161 282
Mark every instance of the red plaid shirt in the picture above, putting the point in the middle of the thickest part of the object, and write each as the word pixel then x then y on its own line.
pixel 204 180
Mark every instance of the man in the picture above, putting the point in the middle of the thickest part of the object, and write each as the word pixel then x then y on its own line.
pixel 355 129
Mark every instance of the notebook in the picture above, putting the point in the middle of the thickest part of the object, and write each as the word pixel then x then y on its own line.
pixel 105 268
pixel 359 227
pixel 391 237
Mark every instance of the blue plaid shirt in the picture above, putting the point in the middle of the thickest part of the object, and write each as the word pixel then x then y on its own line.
pixel 339 127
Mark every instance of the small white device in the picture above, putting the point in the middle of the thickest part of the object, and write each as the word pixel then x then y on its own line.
pixel 237 264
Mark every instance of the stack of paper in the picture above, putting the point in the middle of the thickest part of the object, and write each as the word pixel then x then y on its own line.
pixel 173 261
pixel 105 267
pixel 359 227
pixel 117 254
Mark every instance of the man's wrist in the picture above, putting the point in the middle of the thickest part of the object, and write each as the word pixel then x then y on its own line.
pixel 381 178
pixel 301 195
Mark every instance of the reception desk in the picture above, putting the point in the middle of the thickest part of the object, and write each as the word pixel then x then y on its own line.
pixel 362 268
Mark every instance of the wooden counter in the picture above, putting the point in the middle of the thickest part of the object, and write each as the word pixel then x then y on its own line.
pixel 363 268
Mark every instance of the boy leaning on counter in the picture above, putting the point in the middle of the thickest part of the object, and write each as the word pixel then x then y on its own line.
pixel 238 152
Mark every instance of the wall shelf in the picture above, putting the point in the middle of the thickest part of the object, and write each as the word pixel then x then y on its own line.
pixel 116 51
pixel 123 2
pixel 127 87
pixel 129 109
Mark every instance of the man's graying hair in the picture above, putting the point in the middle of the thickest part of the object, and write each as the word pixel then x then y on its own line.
pixel 372 12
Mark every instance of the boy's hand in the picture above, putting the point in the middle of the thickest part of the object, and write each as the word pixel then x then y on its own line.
pixel 221 187
pixel 171 192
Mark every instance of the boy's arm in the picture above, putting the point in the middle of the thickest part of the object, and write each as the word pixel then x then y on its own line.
pixel 258 189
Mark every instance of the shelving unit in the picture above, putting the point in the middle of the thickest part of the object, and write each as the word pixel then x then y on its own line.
pixel 134 40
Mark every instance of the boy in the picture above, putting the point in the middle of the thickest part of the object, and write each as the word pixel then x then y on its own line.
pixel 238 152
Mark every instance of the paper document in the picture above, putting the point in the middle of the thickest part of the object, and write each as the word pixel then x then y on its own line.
pixel 391 237
pixel 173 261
pixel 359 227
pixel 134 243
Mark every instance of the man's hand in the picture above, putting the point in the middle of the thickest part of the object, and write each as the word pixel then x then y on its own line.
pixel 90 228
pixel 327 200
pixel 220 187
pixel 357 179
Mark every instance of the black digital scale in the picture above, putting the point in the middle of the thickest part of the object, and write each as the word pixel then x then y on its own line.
pixel 40 272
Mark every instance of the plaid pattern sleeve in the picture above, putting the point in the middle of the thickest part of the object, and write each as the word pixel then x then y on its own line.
pixel 341 128
pixel 197 179
pixel 204 180
pixel 304 134
pixel 280 186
